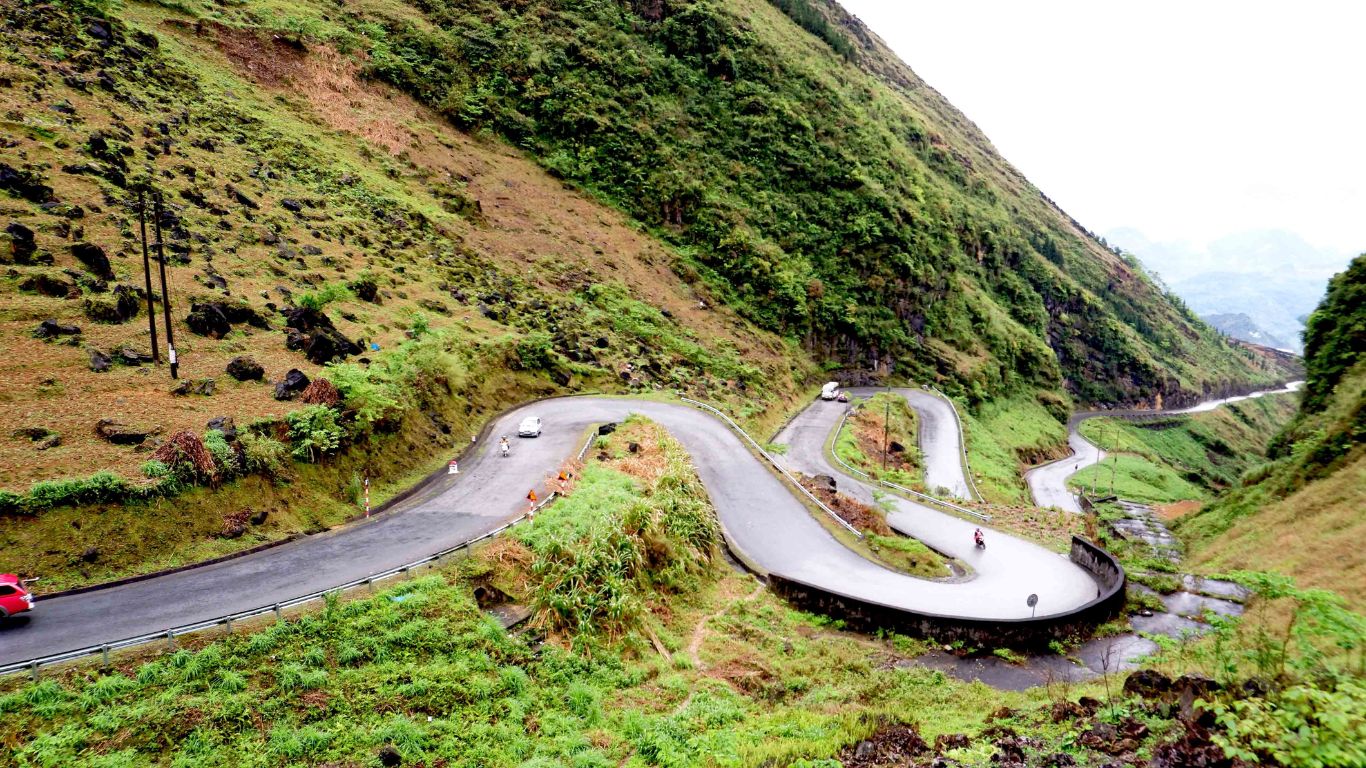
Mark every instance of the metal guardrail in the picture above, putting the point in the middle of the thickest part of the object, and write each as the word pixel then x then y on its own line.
pixel 902 488
pixel 962 443
pixel 35 664
pixel 767 456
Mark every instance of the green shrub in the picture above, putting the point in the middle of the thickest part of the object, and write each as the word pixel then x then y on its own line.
pixel 323 296
pixel 223 454
pixel 13 504
pixel 99 488
pixel 314 432
pixel 262 453
pixel 600 549
pixel 373 394
pixel 533 352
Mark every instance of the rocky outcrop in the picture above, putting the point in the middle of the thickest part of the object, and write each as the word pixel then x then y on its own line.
pixel 120 433
pixel 310 331
pixel 291 385
pixel 245 368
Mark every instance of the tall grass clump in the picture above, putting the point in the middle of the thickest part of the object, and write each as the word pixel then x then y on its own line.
pixel 601 552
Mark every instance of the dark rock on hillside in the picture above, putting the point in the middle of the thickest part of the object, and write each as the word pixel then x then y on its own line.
pixel 245 369
pixel 41 437
pixel 306 319
pixel 120 433
pixel 201 387
pixel 48 285
pixel 121 307
pixel 246 201
pixel 99 361
pixel 133 358
pixel 94 259
pixel 312 332
pixel 326 345
pixel 947 741
pixel 216 281
pixel 23 248
pixel 1147 683
pixel 226 425
pixel 208 320
pixel 291 385
pixel 824 481
pixel 389 756
pixel 99 29
pixel 432 305
pixel 51 329
pixel 1187 689
pixel 293 206
pixel 216 318
pixel 365 289
pixel 24 184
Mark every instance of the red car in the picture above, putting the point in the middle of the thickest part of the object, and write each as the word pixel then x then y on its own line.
pixel 14 597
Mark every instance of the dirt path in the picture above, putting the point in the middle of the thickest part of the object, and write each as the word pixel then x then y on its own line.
pixel 699 633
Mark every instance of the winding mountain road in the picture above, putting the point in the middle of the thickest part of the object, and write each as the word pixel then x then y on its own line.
pixel 759 513
pixel 1005 573
pixel 1048 482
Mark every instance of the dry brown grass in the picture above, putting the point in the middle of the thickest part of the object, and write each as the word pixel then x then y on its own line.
pixel 530 223
pixel 1178 509
pixel 1313 535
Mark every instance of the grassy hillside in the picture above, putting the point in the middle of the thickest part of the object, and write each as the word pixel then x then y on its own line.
pixel 1184 458
pixel 471 279
pixel 833 199
pixel 683 663
pixel 1301 512
pixel 435 210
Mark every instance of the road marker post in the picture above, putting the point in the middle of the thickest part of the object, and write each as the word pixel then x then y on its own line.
pixel 367 495
pixel 453 468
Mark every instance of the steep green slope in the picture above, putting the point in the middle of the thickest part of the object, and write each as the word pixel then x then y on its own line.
pixel 456 276
pixel 832 198
pixel 859 212
pixel 1301 513
pixel 1190 457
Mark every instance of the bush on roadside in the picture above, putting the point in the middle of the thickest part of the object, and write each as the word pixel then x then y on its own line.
pixel 263 454
pixel 314 432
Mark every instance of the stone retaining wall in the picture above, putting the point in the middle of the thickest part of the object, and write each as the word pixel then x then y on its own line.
pixel 1027 634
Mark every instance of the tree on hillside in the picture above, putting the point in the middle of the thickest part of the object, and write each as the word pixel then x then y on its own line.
pixel 1335 337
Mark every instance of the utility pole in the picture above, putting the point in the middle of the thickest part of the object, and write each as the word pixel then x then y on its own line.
pixel 147 274
pixel 1098 460
pixel 165 293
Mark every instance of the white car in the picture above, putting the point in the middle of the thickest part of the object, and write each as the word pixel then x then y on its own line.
pixel 530 427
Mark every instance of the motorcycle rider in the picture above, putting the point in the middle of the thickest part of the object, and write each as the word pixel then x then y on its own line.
pixel 504 446
pixel 978 538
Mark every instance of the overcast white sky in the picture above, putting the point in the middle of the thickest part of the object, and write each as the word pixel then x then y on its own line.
pixel 1187 120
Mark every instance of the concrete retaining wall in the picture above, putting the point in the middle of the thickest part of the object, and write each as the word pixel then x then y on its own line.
pixel 1027 634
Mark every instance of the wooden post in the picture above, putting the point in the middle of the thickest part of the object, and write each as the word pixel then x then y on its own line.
pixel 165 292
pixel 147 274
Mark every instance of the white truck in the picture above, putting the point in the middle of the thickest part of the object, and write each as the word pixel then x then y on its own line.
pixel 830 391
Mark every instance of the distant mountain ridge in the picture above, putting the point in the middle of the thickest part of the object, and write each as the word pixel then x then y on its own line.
pixel 1273 277
pixel 1240 326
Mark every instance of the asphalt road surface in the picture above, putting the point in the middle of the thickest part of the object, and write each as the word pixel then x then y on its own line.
pixel 1004 574
pixel 1048 482
pixel 758 511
